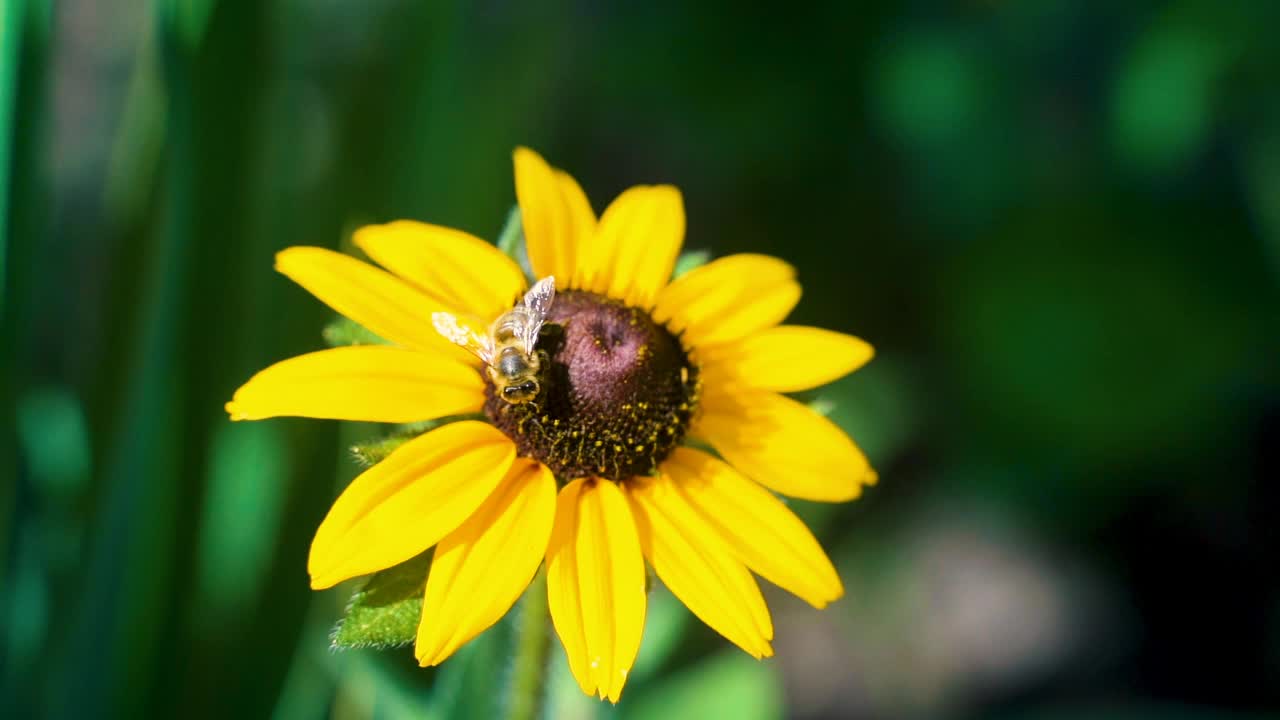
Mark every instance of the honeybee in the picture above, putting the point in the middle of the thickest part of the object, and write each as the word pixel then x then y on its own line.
pixel 508 350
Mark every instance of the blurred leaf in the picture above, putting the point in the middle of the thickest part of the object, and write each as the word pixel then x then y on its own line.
pixel 564 699
pixel 1261 160
pixel 729 684
pixel 343 332
pixel 469 684
pixel 930 88
pixel 241 517
pixel 530 639
pixel 666 620
pixel 1090 377
pixel 370 690
pixel 307 687
pixel 385 612
pixel 192 18
pixel 937 95
pixel 690 260
pixel 511 238
pixel 1161 103
pixel 27 604
pixel 512 242
pixel 54 440
pixel 135 152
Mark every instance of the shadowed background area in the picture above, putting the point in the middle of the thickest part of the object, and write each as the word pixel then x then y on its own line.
pixel 1057 221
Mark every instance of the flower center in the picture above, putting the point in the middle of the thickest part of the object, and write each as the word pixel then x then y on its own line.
pixel 617 392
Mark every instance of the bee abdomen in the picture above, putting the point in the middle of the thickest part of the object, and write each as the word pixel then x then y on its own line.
pixel 512 363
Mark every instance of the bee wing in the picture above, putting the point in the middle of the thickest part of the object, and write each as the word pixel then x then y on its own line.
pixel 538 302
pixel 539 297
pixel 462 335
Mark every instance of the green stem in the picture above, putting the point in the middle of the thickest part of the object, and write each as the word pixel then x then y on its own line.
pixel 531 644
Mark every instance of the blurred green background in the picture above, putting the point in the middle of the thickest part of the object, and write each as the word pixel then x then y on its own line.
pixel 1058 222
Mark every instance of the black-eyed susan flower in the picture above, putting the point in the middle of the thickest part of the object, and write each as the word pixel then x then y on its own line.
pixel 602 468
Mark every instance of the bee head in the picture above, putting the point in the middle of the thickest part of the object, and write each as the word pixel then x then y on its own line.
pixel 520 393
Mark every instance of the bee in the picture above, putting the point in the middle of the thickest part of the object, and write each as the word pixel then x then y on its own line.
pixel 508 350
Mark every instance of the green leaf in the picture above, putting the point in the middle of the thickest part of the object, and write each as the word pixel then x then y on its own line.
pixel 824 406
pixel 512 242
pixel 666 624
pixel 342 332
pixel 375 451
pixel 690 260
pixel 385 612
pixel 512 236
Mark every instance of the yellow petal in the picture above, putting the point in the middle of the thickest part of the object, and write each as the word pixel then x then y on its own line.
pixel 595 585
pixel 456 268
pixel 582 220
pixel 406 503
pixel 562 586
pixel 788 358
pixel 376 299
pixel 636 245
pixel 374 383
pixel 480 569
pixel 694 563
pixel 783 445
pixel 728 299
pixel 554 212
pixel 758 528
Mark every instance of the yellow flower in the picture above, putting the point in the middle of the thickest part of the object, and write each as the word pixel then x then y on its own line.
pixel 639 366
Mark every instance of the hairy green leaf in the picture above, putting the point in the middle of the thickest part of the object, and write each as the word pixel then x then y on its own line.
pixel 375 451
pixel 385 612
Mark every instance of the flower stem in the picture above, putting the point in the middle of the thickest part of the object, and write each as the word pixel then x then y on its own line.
pixel 530 658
